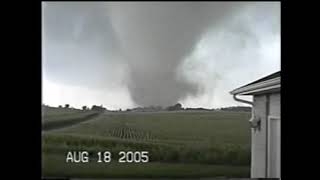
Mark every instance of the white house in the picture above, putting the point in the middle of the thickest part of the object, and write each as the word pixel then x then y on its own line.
pixel 265 123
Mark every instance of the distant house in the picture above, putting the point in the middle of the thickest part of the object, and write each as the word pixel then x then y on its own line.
pixel 266 125
pixel 98 108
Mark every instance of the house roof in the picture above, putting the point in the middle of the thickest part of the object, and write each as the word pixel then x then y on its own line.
pixel 267 84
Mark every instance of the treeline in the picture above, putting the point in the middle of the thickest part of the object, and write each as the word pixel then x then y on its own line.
pixel 178 107
pixel 85 108
pixel 175 107
pixel 236 109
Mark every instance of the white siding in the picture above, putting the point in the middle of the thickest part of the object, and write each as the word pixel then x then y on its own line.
pixel 258 158
pixel 275 105
pixel 274 147
pixel 275 136
pixel 259 138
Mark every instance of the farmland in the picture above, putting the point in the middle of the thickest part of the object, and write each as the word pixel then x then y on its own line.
pixel 180 144
pixel 61 117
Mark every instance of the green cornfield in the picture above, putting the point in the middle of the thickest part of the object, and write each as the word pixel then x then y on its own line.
pixel 176 141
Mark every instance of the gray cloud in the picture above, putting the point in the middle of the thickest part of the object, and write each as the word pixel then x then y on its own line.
pixel 242 49
pixel 156 37
pixel 79 45
pixel 147 47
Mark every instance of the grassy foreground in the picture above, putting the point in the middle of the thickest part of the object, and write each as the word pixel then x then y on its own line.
pixel 56 168
pixel 180 144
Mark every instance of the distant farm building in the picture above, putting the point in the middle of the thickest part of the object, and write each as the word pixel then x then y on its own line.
pixel 266 125
pixel 98 108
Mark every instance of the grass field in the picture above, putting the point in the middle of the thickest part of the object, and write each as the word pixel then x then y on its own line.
pixel 150 170
pixel 180 144
pixel 61 117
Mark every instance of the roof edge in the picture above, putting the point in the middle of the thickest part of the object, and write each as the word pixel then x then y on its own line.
pixel 258 87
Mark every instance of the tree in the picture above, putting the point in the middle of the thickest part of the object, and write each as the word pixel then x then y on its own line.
pixel 59 106
pixel 67 106
pixel 84 107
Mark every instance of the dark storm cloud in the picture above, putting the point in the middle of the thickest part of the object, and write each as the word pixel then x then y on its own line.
pixel 143 45
pixel 79 45
pixel 156 38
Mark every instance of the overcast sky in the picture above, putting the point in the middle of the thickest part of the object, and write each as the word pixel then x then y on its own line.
pixel 129 54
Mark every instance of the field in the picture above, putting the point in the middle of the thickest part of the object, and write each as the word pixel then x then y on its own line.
pixel 61 117
pixel 180 144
